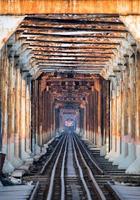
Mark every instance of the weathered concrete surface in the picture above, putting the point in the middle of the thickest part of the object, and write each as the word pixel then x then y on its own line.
pixel 75 6
pixel 132 22
pixel 125 113
pixel 8 25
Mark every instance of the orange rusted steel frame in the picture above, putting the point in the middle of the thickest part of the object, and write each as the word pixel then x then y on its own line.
pixel 123 7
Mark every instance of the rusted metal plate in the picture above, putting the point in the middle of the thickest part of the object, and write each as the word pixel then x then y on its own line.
pixel 72 33
pixel 70 40
pixel 74 51
pixel 67 25
pixel 74 6
pixel 73 40
pixel 77 55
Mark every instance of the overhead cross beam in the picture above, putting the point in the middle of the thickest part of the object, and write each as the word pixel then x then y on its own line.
pixel 67 25
pixel 77 55
pixel 83 43
pixel 58 6
pixel 73 40
pixel 73 33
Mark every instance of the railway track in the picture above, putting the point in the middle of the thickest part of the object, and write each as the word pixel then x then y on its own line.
pixel 85 187
pixel 72 172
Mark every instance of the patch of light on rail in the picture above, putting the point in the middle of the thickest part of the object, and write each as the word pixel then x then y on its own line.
pixel 75 33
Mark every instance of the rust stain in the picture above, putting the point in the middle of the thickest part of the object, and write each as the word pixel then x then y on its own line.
pixel 123 7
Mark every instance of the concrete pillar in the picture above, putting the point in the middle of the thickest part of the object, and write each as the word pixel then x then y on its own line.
pixel 84 134
pixel 36 102
pixel 105 108
pixel 0 102
pixel 47 117
pixel 24 155
pixel 81 120
pixel 43 119
pixel 18 160
pixel 28 115
pixel 91 117
pixel 60 121
pixel 99 136
pixel 118 119
pixel 33 117
pixel 52 116
pixel 121 106
pixel 103 118
pixel 111 154
pixel 124 121
pixel 88 119
pixel 8 167
pixel 40 113
pixel 56 119
pixel 131 156
pixel 134 167
pixel 94 118
pixel 107 117
pixel 10 108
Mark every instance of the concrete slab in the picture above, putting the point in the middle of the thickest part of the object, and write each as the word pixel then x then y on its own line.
pixel 20 192
pixel 36 158
pixel 18 173
pixel 1 185
pixel 16 188
pixel 126 192
pixel 25 167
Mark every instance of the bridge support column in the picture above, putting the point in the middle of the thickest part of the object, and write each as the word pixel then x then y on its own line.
pixel 28 115
pixel 135 165
pixel 24 154
pixel 18 160
pixel 8 167
pixel 111 154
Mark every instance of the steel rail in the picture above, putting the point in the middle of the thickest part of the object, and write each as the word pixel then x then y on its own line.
pixel 63 173
pixel 81 173
pixel 89 157
pixel 51 185
pixel 50 158
pixel 97 188
pixel 35 190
